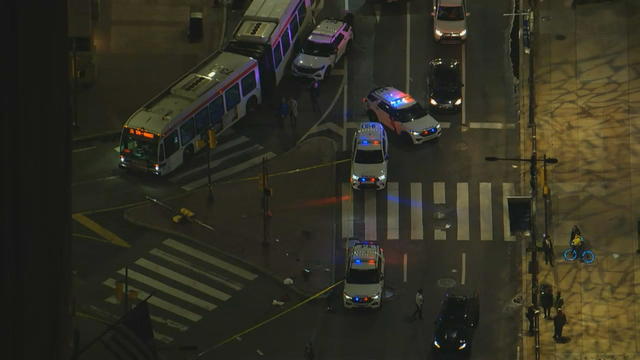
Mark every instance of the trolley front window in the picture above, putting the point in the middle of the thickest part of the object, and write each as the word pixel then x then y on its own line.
pixel 139 147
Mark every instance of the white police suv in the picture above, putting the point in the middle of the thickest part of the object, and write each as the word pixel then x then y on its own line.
pixel 400 112
pixel 370 157
pixel 364 279
pixel 450 20
pixel 323 49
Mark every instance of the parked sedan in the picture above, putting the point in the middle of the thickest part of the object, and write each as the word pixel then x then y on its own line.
pixel 444 85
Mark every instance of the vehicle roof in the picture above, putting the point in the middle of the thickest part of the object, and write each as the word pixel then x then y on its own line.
pixel 451 2
pixel 161 114
pixel 394 97
pixel 325 31
pixel 362 253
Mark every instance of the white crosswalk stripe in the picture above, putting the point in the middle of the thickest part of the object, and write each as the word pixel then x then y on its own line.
pixel 229 171
pixel 464 229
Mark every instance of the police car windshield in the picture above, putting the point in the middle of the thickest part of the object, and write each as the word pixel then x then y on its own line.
pixel 316 49
pixel 450 13
pixel 416 111
pixel 356 276
pixel 369 156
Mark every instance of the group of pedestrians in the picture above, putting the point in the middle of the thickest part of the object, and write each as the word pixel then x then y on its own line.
pixel 288 107
pixel 547 301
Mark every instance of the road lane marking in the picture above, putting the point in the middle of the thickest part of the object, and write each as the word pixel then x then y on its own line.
pixel 347 211
pixel 439 199
pixel 462 210
pixel 210 259
pixel 185 280
pixel 159 285
pixel 170 323
pixel 416 211
pixel 464 269
pixel 155 301
pixel 222 147
pixel 370 215
pixel 83 149
pixel 408 47
pixel 184 263
pixel 229 171
pixel 486 217
pixel 103 232
pixel 404 267
pixel 508 189
pixel 393 213
pixel 491 125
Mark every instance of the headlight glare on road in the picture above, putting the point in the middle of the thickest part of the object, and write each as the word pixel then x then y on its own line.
pixel 433 101
pixel 459 101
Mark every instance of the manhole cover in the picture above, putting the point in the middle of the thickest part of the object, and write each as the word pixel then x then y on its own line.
pixel 446 283
pixel 560 37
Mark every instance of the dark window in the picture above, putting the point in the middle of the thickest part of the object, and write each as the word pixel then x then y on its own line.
pixel 337 41
pixel 369 156
pixel 216 110
pixel 286 42
pixel 383 106
pixel 171 143
pixel 277 55
pixel 294 28
pixel 317 49
pixel 187 132
pixel 202 120
pixel 413 112
pixel 248 83
pixel 370 276
pixel 232 96
pixel 371 97
pixel 302 11
pixel 161 152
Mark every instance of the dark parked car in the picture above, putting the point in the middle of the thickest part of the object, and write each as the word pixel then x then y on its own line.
pixel 456 324
pixel 444 85
pixel 194 30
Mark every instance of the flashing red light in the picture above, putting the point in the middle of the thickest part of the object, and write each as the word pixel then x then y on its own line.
pixel 125 150
pixel 372 179
pixel 366 299
pixel 376 142
pixel 371 261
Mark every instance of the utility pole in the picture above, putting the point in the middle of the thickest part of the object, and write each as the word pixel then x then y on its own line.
pixel 266 209
pixel 213 142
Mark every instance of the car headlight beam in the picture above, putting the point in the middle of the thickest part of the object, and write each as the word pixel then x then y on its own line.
pixel 463 32
pixel 435 343
pixel 462 346
pixel 459 101
pixel 433 101
pixel 438 32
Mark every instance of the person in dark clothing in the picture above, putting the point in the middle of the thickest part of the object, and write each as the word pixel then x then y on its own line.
pixel 531 314
pixel 419 303
pixel 558 302
pixel 314 92
pixel 546 300
pixel 283 111
pixel 547 248
pixel 558 323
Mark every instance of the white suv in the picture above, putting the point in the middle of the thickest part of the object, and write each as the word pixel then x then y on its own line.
pixel 450 20
pixel 364 275
pixel 403 115
pixel 323 49
pixel 370 157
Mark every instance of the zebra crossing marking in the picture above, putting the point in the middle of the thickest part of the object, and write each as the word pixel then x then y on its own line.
pixel 229 171
pixel 179 261
pixel 416 211
pixel 170 290
pixel 508 189
pixel 215 163
pixel 486 217
pixel 185 280
pixel 210 259
pixel 155 301
pixel 347 210
pixel 393 213
pixel 462 210
pixel 370 215
pixel 439 199
pixel 170 323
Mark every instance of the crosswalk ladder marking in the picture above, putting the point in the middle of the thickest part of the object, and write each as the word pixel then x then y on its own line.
pixel 416 211
pixel 486 218
pixel 508 189
pixel 439 199
pixel 393 211
pixel 210 259
pixel 168 289
pixel 462 210
pixel 185 280
pixel 156 301
pixel 347 210
pixel 370 215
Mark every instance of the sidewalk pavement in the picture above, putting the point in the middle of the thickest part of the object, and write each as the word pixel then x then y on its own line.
pixel 140 48
pixel 587 70
pixel 303 205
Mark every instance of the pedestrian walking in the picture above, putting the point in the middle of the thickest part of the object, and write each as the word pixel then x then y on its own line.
pixel 558 303
pixel 314 92
pixel 546 300
pixel 283 111
pixel 547 248
pixel 293 112
pixel 531 314
pixel 308 351
pixel 419 303
pixel 558 323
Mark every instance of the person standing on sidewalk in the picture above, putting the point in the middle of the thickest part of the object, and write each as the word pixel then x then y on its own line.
pixel 283 111
pixel 531 314
pixel 547 248
pixel 546 300
pixel 558 323
pixel 419 303
pixel 314 93
pixel 293 112
pixel 558 302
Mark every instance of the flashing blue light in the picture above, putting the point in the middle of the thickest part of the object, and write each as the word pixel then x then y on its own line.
pixel 357 261
pixel 364 142
pixel 356 299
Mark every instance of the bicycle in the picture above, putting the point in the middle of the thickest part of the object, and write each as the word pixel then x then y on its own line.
pixel 574 252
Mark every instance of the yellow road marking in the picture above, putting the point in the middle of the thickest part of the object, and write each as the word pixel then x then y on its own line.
pixel 89 237
pixel 96 228
pixel 269 319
